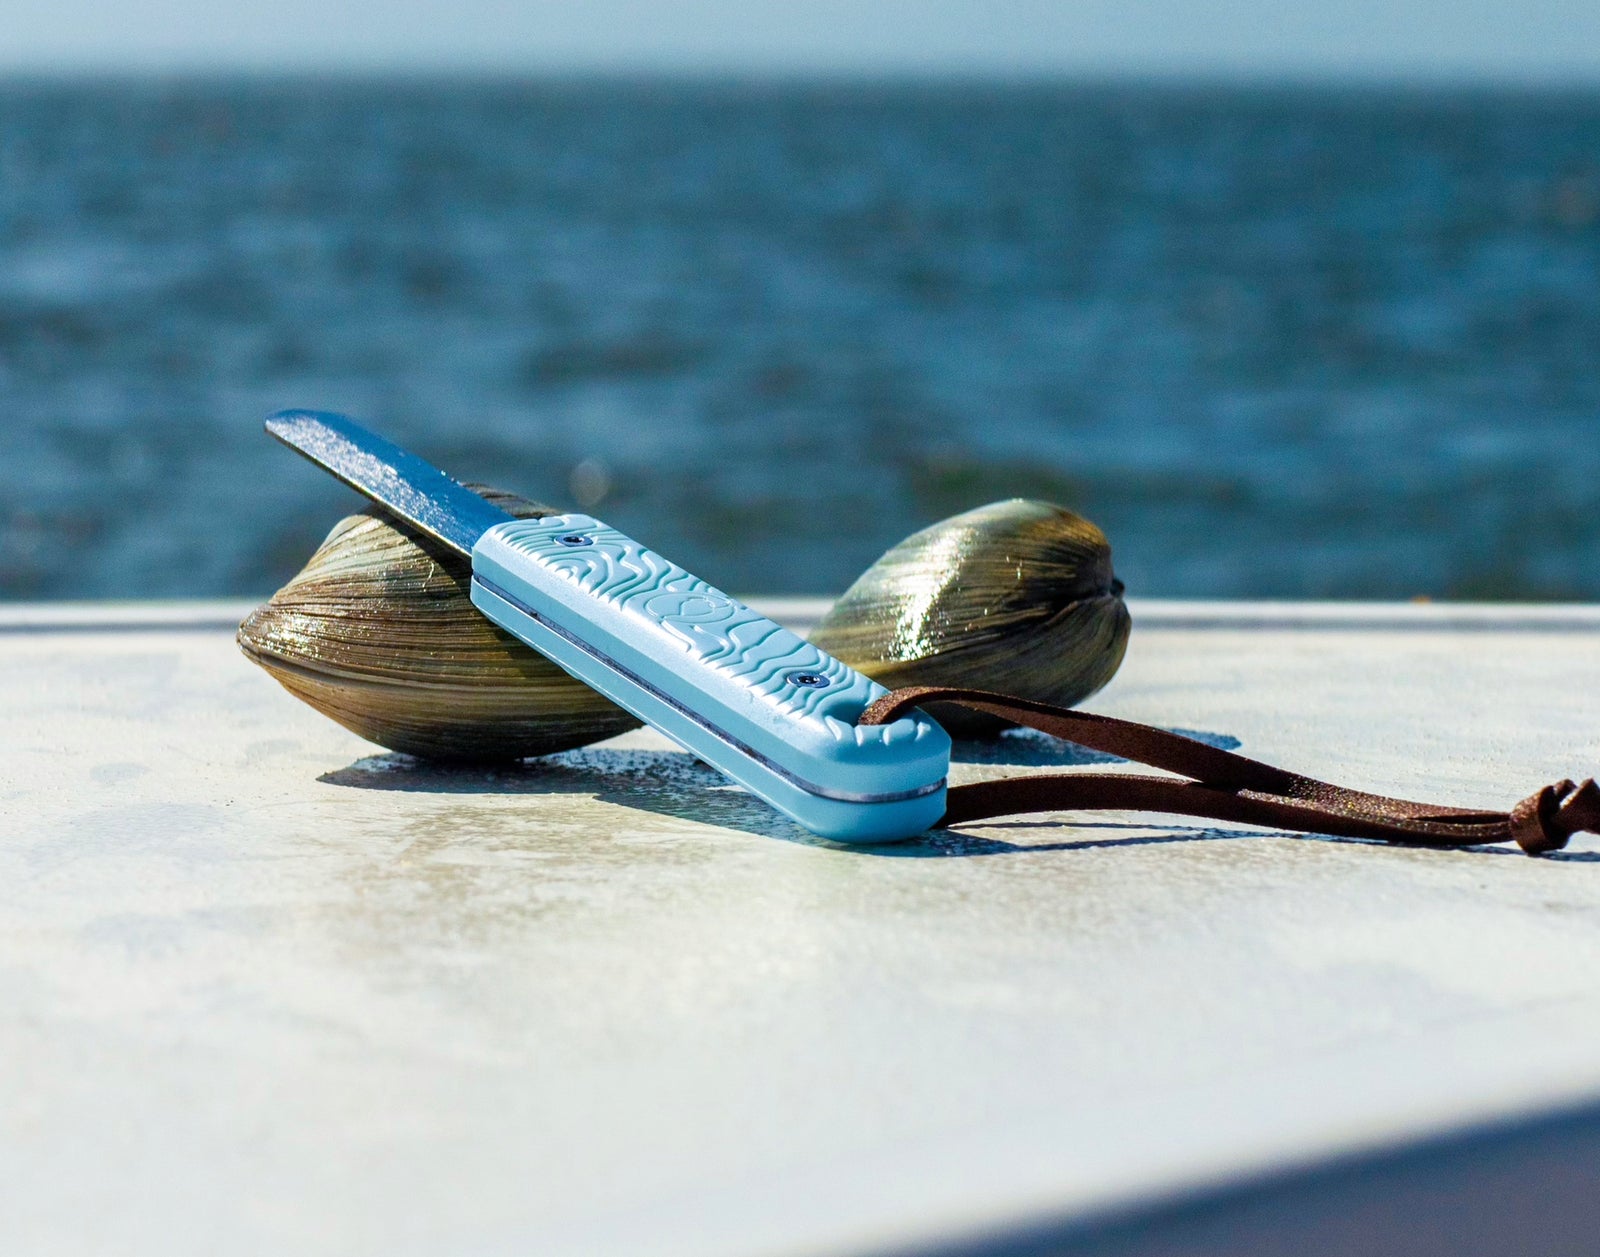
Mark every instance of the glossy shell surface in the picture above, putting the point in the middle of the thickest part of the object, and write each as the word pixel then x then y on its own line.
pixel 378 633
pixel 1018 596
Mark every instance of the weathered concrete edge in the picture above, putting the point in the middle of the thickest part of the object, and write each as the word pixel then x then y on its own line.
pixel 215 615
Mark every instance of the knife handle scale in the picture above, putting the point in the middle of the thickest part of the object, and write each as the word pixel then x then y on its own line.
pixel 752 698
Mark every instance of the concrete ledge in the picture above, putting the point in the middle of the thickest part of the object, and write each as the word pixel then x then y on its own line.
pixel 264 988
pixel 802 613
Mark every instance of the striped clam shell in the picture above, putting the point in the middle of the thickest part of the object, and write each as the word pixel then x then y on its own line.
pixel 1017 597
pixel 378 632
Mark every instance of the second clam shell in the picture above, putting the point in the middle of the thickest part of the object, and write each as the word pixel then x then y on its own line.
pixel 1018 597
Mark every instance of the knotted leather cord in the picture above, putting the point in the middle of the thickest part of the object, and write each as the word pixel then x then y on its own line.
pixel 1220 785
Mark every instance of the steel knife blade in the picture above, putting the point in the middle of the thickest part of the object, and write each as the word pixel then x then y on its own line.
pixel 411 487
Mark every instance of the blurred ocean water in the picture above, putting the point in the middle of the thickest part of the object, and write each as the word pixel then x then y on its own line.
pixel 1277 343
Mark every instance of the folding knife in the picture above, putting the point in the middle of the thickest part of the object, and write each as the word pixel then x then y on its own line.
pixel 746 695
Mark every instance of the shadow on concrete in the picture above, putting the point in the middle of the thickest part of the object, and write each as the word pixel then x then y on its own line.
pixel 665 783
pixel 1024 748
pixel 676 784
pixel 1507 1189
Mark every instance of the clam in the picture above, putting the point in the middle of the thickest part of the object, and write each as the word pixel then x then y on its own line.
pixel 378 633
pixel 1018 597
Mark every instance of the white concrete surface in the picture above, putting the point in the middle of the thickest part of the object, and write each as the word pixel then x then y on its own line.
pixel 264 989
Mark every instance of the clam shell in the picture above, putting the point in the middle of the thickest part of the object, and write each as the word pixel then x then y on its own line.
pixel 1018 596
pixel 378 632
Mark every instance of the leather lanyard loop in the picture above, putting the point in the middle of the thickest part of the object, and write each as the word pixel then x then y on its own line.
pixel 1220 785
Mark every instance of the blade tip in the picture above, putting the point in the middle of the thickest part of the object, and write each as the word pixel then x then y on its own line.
pixel 294 427
pixel 283 418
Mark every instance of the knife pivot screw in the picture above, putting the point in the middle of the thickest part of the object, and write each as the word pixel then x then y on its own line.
pixel 808 680
pixel 575 539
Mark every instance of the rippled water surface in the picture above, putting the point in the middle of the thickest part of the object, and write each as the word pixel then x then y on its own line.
pixel 1276 343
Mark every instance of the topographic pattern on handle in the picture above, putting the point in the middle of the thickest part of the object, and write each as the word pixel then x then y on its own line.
pixel 676 610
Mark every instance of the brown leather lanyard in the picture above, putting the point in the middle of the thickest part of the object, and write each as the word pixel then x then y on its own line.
pixel 1223 786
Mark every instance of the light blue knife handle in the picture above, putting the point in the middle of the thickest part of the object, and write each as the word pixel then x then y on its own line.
pixel 748 696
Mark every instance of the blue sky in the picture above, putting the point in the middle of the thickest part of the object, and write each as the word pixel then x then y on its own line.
pixel 1527 40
